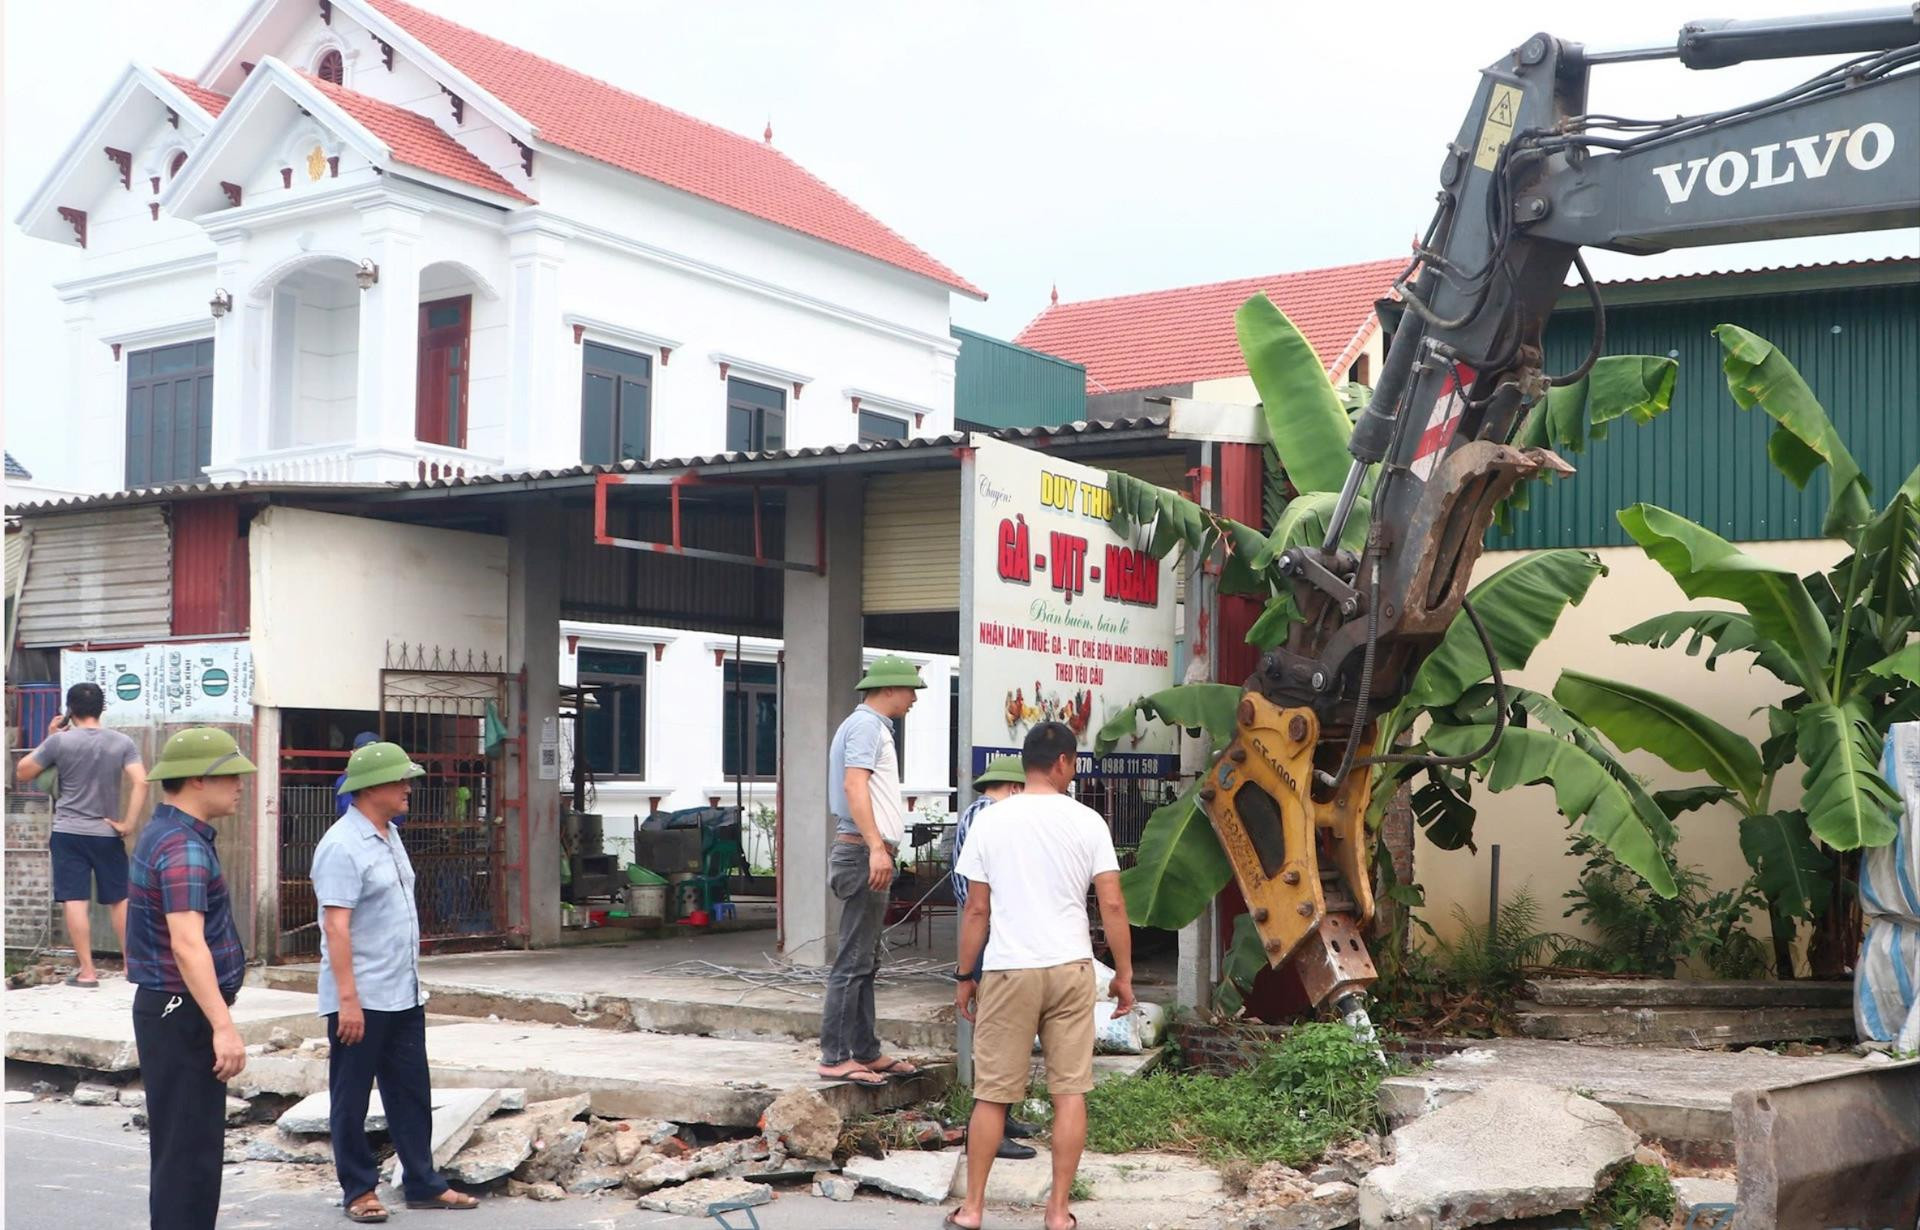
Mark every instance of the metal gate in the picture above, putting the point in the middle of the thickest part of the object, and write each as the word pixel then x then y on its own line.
pixel 450 712
pixel 1125 803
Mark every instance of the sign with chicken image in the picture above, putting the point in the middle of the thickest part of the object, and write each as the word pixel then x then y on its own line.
pixel 1065 620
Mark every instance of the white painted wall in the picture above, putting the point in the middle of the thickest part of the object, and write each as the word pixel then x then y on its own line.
pixel 1531 834
pixel 329 593
pixel 685 690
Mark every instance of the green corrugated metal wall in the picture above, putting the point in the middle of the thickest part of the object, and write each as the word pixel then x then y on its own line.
pixel 1859 350
pixel 998 384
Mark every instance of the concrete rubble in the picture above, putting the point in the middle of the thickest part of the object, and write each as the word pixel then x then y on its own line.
pixel 805 1121
pixel 835 1187
pixel 705 1197
pixel 555 1138
pixel 926 1177
pixel 1512 1150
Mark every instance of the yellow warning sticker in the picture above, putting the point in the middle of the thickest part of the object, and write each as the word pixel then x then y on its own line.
pixel 1503 111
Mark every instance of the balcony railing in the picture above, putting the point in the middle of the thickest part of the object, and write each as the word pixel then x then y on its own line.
pixel 345 462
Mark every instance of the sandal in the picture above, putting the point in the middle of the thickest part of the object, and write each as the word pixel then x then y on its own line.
pixel 75 980
pixel 855 1075
pixel 949 1223
pixel 366 1209
pixel 897 1068
pixel 448 1199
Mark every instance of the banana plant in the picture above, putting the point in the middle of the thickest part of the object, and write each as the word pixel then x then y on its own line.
pixel 1180 866
pixel 1841 641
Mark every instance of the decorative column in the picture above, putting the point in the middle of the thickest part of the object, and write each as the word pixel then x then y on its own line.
pixel 389 350
pixel 240 413
pixel 543 422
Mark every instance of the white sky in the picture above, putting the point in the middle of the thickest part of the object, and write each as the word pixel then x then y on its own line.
pixel 1108 148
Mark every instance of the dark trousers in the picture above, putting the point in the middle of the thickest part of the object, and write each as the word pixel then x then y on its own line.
pixel 847 1017
pixel 186 1110
pixel 394 1052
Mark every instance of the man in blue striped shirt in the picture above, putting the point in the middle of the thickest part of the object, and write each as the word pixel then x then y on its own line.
pixel 1003 778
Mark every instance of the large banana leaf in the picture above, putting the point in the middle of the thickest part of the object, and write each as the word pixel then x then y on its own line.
pixel 1708 566
pixel 1789 868
pixel 1635 719
pixel 1304 522
pixel 1727 631
pixel 1848 804
pixel 1759 375
pixel 1631 386
pixel 1176 522
pixel 1551 714
pixel 1520 604
pixel 1903 665
pixel 1180 867
pixel 1207 706
pixel 1582 790
pixel 1885 570
pixel 1305 420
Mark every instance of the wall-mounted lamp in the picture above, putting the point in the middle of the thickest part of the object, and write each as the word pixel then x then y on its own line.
pixel 367 275
pixel 220 304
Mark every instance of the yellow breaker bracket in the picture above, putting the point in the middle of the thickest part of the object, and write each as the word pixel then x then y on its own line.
pixel 1301 865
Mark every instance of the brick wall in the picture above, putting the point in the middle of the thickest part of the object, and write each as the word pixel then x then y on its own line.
pixel 29 886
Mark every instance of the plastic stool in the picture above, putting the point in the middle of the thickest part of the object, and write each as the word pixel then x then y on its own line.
pixel 719 1213
pixel 723 911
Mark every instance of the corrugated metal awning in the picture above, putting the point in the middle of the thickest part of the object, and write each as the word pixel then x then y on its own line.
pixel 101 576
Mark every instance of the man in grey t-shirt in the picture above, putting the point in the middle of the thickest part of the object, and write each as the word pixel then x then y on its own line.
pixel 89 853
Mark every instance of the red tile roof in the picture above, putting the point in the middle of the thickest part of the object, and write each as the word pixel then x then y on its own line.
pixel 211 102
pixel 1177 336
pixel 416 140
pixel 604 122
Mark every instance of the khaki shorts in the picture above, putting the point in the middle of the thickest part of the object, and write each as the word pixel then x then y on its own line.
pixel 1015 1004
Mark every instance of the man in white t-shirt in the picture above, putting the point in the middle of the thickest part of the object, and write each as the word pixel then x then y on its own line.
pixel 1029 861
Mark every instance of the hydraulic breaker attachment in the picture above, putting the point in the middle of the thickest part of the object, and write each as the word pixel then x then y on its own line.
pixel 1301 863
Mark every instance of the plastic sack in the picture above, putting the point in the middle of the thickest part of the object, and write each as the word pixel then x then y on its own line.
pixel 1886 979
pixel 1103 976
pixel 1115 1035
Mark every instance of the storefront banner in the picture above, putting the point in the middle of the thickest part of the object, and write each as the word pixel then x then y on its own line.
pixel 1069 621
pixel 167 684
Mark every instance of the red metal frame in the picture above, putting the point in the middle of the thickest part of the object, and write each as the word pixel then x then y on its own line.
pixel 691 478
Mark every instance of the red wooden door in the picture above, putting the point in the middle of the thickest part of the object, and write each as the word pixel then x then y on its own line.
pixel 440 401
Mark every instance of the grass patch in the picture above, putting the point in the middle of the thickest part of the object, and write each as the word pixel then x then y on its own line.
pixel 1317 1087
pixel 954 1106
pixel 1081 1191
pixel 1640 1190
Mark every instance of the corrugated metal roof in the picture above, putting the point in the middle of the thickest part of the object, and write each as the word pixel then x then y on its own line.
pixel 101 577
pixel 16 470
pixel 1000 384
pixel 877 453
pixel 1889 263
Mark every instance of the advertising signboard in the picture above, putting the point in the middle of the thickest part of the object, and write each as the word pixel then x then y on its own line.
pixel 167 683
pixel 1064 619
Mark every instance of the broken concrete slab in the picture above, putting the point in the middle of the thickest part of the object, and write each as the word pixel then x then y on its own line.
pixel 808 1124
pixel 86 1093
pixel 496 1149
pixel 454 1122
pixel 1682 1099
pixel 583 1180
pixel 16 1097
pixel 238 1111
pixel 133 1097
pixel 1024 1182
pixel 273 1145
pixel 1685 1026
pixel 1512 1150
pixel 556 1136
pixel 1157 1177
pixel 1330 1206
pixel 311 1115
pixel 93 1029
pixel 706 1197
pixel 926 1177
pixel 1692 993
pixel 1693 1191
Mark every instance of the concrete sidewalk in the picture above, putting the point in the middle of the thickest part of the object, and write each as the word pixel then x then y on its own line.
pixel 93 1028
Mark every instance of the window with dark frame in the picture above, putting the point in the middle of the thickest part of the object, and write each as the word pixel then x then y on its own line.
pixel 169 432
pixel 331 68
pixel 756 417
pixel 616 401
pixel 751 707
pixel 879 428
pixel 440 396
pixel 613 737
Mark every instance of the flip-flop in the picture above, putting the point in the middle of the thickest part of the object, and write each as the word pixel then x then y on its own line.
pixel 75 980
pixel 854 1076
pixel 948 1222
pixel 370 1210
pixel 898 1069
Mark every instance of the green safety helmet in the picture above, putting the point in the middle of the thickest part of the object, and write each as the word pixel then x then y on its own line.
pixel 199 752
pixel 377 764
pixel 1005 770
pixel 890 671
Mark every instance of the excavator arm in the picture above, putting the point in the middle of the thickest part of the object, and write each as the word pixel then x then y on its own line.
pixel 1530 180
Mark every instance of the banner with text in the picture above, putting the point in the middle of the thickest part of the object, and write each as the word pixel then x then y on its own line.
pixel 167 684
pixel 1069 621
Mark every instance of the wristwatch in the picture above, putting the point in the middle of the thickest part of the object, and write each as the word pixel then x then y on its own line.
pixel 960 977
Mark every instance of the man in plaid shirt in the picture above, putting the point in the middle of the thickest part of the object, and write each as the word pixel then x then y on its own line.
pixel 185 961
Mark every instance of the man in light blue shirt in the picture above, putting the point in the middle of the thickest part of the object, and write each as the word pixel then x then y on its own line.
pixel 370 987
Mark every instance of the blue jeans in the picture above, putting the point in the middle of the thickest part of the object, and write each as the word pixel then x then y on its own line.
pixel 846 1022
pixel 393 1051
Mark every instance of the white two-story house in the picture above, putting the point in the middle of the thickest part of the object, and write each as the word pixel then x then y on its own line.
pixel 363 243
